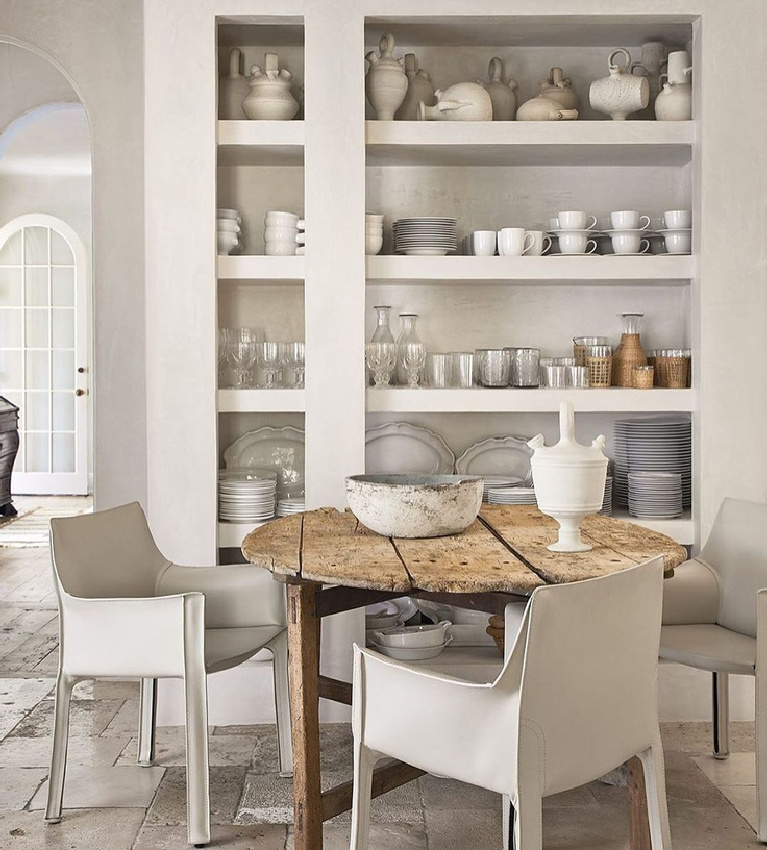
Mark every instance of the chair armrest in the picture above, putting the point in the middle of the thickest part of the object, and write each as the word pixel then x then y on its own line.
pixel 691 595
pixel 141 637
pixel 235 597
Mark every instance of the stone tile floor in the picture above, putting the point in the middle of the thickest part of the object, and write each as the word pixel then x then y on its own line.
pixel 113 805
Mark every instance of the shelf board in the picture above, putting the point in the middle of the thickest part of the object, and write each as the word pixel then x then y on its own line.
pixel 614 399
pixel 260 269
pixel 260 142
pixel 230 534
pixel 535 143
pixel 683 529
pixel 261 401
pixel 659 269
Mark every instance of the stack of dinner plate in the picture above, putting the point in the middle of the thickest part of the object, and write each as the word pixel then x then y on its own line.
pixel 425 237
pixel 288 507
pixel 511 496
pixel 246 495
pixel 657 444
pixel 607 501
pixel 494 482
pixel 655 495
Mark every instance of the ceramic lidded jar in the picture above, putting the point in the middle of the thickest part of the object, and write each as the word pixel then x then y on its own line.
pixel 461 102
pixel 560 88
pixel 419 88
pixel 501 92
pixel 270 98
pixel 233 88
pixel 386 83
pixel 569 480
pixel 622 92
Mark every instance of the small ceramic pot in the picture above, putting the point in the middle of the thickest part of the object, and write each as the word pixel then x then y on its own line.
pixel 386 83
pixel 501 92
pixel 233 88
pixel 622 92
pixel 461 102
pixel 419 88
pixel 270 98
pixel 545 109
pixel 674 102
pixel 560 88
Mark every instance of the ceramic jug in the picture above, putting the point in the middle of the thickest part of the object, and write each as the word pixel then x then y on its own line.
pixel 679 67
pixel 622 92
pixel 569 480
pixel 233 88
pixel 545 109
pixel 419 88
pixel 270 98
pixel 558 87
pixel 674 103
pixel 461 102
pixel 652 58
pixel 386 83
pixel 501 93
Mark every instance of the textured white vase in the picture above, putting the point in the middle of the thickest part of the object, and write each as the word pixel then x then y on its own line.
pixel 569 480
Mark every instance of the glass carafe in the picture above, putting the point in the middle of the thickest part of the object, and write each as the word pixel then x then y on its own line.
pixel 629 354
pixel 382 334
pixel 407 335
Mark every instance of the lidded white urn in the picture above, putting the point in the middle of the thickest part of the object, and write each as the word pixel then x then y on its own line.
pixel 569 480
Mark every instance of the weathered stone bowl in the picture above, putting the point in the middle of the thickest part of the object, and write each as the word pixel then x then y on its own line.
pixel 415 505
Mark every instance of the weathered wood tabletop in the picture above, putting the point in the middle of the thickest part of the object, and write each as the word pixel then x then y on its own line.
pixel 502 555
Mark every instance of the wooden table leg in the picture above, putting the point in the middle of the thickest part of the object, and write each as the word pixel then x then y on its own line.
pixel 639 823
pixel 303 631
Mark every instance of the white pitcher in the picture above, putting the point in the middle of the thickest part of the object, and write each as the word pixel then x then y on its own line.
pixel 501 92
pixel 622 92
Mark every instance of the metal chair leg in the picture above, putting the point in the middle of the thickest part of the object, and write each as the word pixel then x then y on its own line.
pixel 64 685
pixel 147 722
pixel 721 706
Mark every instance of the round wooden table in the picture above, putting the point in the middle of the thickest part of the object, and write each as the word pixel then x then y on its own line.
pixel 501 557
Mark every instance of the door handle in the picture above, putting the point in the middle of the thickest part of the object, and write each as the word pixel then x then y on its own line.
pixel 81 392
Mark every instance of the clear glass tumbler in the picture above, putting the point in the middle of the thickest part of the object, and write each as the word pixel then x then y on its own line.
pixel 463 369
pixel 439 368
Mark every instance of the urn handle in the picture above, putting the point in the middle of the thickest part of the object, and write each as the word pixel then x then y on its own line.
pixel 411 64
pixel 235 62
pixel 495 70
pixel 566 422
pixel 612 64
pixel 386 45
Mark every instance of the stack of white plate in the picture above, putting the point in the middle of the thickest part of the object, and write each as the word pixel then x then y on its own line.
pixel 246 495
pixel 425 237
pixel 494 482
pixel 511 496
pixel 288 507
pixel 658 444
pixel 607 501
pixel 655 495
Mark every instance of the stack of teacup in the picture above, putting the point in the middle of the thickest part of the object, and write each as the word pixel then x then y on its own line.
pixel 373 232
pixel 677 231
pixel 284 234
pixel 228 240
pixel 627 227
pixel 572 230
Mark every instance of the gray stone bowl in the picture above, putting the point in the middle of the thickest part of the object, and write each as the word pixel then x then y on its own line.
pixel 415 505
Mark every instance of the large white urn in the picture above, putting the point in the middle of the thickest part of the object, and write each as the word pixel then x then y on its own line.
pixel 569 480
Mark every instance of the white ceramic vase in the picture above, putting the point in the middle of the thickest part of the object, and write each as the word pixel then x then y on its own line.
pixel 501 91
pixel 674 102
pixel 569 480
pixel 270 98
pixel 386 83
pixel 461 102
pixel 419 88
pixel 233 88
pixel 622 92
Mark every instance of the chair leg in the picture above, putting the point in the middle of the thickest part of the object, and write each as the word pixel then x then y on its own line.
pixel 528 826
pixel 147 722
pixel 279 649
pixel 64 685
pixel 761 759
pixel 655 783
pixel 508 821
pixel 721 714
pixel 364 762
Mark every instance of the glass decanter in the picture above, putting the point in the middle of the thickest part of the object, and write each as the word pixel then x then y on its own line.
pixel 382 334
pixel 407 335
pixel 629 354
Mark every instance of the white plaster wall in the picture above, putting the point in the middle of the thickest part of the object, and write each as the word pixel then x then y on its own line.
pixel 98 46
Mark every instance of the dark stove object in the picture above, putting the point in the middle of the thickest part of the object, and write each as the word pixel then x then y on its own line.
pixel 9 445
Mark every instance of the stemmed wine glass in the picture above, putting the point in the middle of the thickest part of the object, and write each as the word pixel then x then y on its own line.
pixel 413 359
pixel 295 361
pixel 381 358
pixel 241 351
pixel 271 358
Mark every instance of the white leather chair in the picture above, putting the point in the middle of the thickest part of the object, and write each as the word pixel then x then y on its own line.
pixel 575 699
pixel 715 616
pixel 126 611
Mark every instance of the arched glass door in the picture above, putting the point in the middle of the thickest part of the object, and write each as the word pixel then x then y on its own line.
pixel 43 352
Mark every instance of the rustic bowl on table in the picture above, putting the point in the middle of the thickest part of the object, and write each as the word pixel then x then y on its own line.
pixel 415 505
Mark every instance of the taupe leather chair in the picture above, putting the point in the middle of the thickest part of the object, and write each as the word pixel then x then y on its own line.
pixel 576 698
pixel 127 611
pixel 715 619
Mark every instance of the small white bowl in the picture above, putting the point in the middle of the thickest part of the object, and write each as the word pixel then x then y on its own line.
pixel 227 224
pixel 413 637
pixel 233 214
pixel 421 653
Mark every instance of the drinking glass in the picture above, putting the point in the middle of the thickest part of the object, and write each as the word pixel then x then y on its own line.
pixel 295 360
pixel 494 366
pixel 463 369
pixel 271 358
pixel 242 350
pixel 439 368
pixel 223 355
pixel 381 358
pixel 413 358
pixel 524 367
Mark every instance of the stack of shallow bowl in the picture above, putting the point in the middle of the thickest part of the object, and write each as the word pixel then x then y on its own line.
pixel 228 231
pixel 289 507
pixel 412 643
pixel 373 233
pixel 425 237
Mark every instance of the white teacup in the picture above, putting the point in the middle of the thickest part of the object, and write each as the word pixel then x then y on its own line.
pixel 278 218
pixel 541 243
pixel 575 220
pixel 513 242
pixel 283 234
pixel 677 219
pixel 483 243
pixel 232 214
pixel 678 241
pixel 629 220
pixel 228 224
pixel 629 243
pixel 373 244
pixel 225 241
pixel 280 249
pixel 576 243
